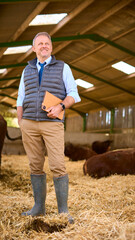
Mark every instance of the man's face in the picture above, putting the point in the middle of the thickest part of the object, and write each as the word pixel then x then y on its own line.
pixel 42 47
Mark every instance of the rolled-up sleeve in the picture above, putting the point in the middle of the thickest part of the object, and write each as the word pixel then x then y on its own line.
pixel 21 91
pixel 70 84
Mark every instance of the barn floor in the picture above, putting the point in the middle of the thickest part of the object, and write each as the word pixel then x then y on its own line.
pixel 103 209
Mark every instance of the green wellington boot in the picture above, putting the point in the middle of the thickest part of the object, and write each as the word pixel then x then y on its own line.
pixel 39 190
pixel 61 190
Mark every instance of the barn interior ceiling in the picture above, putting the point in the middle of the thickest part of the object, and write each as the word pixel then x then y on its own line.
pixel 92 37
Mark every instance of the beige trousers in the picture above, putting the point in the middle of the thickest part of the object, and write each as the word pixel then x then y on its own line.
pixel 34 135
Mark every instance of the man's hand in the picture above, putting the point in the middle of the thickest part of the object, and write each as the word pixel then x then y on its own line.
pixel 54 111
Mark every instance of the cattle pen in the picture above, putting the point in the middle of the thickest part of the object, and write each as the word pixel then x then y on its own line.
pixel 103 209
pixel 92 52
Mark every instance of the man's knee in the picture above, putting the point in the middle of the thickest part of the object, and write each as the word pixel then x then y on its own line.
pixel 58 172
pixel 36 169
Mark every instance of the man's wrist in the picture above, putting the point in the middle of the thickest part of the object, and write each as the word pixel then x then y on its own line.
pixel 63 106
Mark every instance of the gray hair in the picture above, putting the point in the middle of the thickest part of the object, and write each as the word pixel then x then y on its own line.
pixel 41 34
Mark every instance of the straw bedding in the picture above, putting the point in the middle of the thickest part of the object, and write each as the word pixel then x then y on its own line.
pixel 103 209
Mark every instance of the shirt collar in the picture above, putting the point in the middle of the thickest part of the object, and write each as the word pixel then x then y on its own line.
pixel 48 60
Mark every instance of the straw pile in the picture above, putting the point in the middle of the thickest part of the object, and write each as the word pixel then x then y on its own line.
pixel 103 209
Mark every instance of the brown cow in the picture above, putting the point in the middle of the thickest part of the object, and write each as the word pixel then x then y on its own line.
pixel 3 129
pixel 101 147
pixel 78 152
pixel 3 133
pixel 113 162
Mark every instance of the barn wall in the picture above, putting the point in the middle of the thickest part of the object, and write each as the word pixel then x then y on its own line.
pixel 16 147
pixel 124 121
pixel 84 138
pixel 74 124
pixel 123 135
pixel 122 140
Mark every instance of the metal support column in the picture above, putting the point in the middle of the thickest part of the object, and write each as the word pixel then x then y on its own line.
pixel 112 120
pixel 84 122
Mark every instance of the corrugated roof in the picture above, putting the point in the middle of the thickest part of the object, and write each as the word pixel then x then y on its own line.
pixel 93 36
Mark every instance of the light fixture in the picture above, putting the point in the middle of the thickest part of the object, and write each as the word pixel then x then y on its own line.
pixel 47 19
pixel 15 50
pixel 124 67
pixel 83 83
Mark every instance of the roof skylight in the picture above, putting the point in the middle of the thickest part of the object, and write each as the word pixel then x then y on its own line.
pixel 2 70
pixel 15 50
pixel 83 83
pixel 124 67
pixel 47 19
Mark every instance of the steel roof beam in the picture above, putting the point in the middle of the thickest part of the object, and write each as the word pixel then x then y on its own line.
pixel 102 80
pixel 94 37
pixel 14 87
pixel 13 65
pixel 7 105
pixel 23 26
pixel 79 70
pixel 79 112
pixel 8 79
pixel 6 95
pixel 96 101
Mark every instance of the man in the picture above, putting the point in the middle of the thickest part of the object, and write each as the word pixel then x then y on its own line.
pixel 38 126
